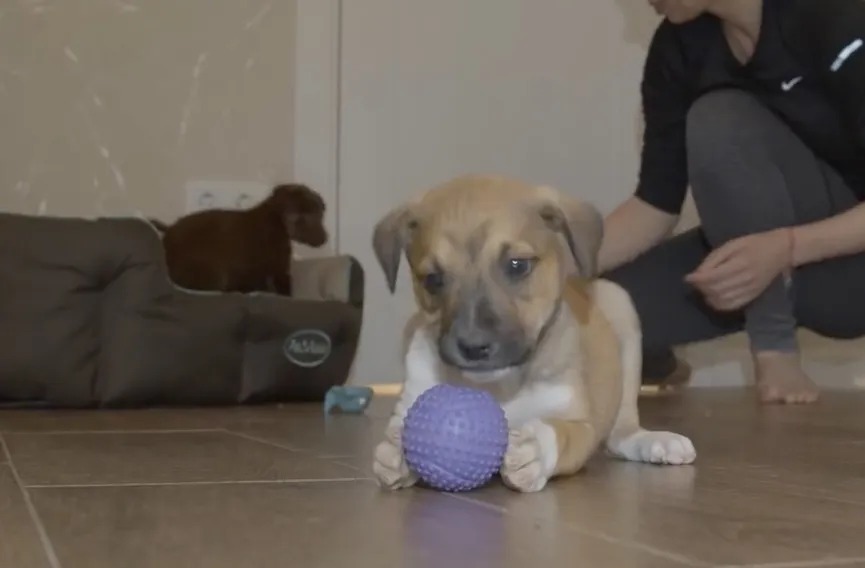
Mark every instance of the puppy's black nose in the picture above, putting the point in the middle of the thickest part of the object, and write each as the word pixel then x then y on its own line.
pixel 475 351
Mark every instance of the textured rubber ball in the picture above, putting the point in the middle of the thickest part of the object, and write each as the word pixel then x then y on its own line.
pixel 455 437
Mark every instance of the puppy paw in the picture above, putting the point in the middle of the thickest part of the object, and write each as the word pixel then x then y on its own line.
pixel 525 467
pixel 648 446
pixel 389 465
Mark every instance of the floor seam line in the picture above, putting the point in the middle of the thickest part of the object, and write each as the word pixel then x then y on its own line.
pixel 600 535
pixel 42 532
pixel 112 432
pixel 801 563
pixel 266 442
pixel 335 458
pixel 300 481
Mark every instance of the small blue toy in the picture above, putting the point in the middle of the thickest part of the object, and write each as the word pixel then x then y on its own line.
pixel 351 400
pixel 455 438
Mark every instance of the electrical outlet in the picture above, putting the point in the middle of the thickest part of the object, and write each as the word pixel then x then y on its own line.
pixel 202 195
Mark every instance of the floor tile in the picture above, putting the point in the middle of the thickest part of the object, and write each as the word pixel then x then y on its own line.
pixel 774 487
pixel 20 546
pixel 381 407
pixel 336 436
pixel 101 420
pixel 687 511
pixel 328 525
pixel 93 459
pixel 156 419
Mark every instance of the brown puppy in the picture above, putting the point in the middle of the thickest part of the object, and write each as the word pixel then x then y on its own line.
pixel 244 251
pixel 508 301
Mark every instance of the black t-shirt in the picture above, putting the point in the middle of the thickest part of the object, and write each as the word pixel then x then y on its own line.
pixel 808 68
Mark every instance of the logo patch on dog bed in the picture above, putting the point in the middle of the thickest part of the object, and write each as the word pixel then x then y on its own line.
pixel 307 347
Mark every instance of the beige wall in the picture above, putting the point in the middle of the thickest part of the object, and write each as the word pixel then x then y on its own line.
pixel 560 108
pixel 108 107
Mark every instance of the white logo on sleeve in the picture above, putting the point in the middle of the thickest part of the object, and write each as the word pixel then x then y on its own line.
pixel 787 85
pixel 845 54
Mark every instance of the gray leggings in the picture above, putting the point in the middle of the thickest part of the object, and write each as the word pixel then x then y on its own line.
pixel 748 173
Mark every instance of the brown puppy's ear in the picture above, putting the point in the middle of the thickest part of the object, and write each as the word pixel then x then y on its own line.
pixel 391 237
pixel 581 224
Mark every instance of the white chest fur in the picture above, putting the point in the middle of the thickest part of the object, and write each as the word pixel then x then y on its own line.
pixel 522 401
pixel 537 401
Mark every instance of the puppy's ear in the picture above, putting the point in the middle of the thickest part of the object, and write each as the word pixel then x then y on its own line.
pixel 391 237
pixel 579 222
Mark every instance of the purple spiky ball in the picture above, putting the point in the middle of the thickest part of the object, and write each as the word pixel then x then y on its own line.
pixel 455 437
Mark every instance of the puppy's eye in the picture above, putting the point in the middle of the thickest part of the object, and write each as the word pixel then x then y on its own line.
pixel 434 281
pixel 518 268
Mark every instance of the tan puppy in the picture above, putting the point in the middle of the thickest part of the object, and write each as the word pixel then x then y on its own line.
pixel 501 309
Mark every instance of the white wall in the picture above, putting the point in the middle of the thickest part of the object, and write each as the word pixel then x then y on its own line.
pixel 111 108
pixel 546 90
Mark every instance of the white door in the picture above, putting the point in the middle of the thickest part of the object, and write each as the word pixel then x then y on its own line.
pixel 546 90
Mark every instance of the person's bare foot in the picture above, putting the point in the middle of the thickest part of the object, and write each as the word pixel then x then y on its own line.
pixel 781 380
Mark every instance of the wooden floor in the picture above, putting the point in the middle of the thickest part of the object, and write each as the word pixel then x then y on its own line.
pixel 267 487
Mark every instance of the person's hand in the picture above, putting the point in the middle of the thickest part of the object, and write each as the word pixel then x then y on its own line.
pixel 740 270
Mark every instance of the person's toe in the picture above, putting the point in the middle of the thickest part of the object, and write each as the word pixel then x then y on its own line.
pixel 805 396
pixel 769 394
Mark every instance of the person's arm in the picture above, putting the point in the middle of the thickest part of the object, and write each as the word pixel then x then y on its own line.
pixel 649 216
pixel 630 230
pixel 829 36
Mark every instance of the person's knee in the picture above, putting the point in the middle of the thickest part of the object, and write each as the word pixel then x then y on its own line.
pixel 722 126
pixel 733 165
